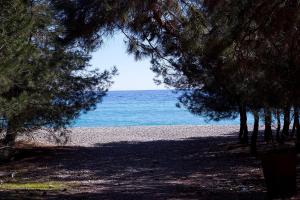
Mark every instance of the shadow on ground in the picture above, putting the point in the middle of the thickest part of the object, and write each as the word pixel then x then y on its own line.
pixel 195 168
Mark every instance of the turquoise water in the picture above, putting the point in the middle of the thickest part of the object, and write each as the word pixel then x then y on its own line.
pixel 142 108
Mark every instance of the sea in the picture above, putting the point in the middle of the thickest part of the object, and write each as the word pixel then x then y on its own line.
pixel 142 108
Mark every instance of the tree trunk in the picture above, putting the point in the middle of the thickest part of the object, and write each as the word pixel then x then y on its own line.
pixel 254 134
pixel 243 135
pixel 268 125
pixel 286 122
pixel 241 124
pixel 296 121
pixel 293 129
pixel 11 135
pixel 278 125
pixel 297 127
pixel 245 126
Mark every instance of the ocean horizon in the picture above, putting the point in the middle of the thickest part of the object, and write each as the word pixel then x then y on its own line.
pixel 142 108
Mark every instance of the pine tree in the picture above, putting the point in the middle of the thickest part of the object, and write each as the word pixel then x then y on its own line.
pixel 228 57
pixel 45 84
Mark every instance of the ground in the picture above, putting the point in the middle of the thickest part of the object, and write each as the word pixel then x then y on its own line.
pixel 190 168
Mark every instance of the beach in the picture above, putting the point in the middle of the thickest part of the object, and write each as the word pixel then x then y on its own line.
pixel 89 137
pixel 163 162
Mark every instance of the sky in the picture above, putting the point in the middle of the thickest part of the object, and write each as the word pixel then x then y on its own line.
pixel 133 75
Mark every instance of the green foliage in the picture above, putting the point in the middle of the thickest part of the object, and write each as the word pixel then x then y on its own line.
pixel 44 83
pixel 228 57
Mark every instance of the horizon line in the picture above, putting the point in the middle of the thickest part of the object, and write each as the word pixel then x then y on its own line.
pixel 139 90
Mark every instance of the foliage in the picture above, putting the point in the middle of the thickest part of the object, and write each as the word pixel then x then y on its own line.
pixel 228 57
pixel 44 83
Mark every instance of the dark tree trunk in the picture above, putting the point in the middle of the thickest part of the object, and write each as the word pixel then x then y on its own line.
pixel 296 121
pixel 245 127
pixel 293 129
pixel 243 135
pixel 254 134
pixel 241 123
pixel 297 127
pixel 11 135
pixel 278 126
pixel 268 125
pixel 286 123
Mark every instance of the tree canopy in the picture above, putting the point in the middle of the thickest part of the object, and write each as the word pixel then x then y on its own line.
pixel 44 83
pixel 228 57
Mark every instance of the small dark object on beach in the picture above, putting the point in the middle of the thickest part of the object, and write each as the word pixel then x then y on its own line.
pixel 279 169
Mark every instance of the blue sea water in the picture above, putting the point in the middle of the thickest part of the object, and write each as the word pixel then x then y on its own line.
pixel 142 108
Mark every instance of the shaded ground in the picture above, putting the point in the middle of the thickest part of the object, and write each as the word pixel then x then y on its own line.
pixel 195 168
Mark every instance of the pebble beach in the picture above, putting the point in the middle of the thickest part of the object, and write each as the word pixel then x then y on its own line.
pixel 89 137
pixel 141 162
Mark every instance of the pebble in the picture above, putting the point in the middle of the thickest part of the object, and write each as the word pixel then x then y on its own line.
pixel 97 136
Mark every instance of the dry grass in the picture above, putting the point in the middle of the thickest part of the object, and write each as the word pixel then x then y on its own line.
pixel 33 186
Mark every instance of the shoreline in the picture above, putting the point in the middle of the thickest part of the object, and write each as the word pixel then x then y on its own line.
pixel 156 126
pixel 89 137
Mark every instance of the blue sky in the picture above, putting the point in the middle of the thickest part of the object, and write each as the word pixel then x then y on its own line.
pixel 133 75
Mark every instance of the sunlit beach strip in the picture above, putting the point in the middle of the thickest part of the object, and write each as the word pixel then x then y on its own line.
pixel 104 135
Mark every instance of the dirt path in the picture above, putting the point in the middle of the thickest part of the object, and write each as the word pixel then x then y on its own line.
pixel 194 168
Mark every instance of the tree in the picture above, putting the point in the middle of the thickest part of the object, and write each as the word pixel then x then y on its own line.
pixel 45 83
pixel 166 31
pixel 239 50
pixel 228 57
